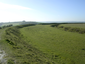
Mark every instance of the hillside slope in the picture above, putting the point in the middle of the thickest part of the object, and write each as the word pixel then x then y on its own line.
pixel 61 46
pixel 42 44
pixel 20 51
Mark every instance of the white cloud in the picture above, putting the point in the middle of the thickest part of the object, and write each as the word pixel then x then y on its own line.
pixel 14 13
pixel 9 6
pixel 6 16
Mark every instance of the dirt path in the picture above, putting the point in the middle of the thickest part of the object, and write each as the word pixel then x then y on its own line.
pixel 2 55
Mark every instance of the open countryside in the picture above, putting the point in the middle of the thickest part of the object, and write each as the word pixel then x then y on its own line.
pixel 42 44
pixel 42 31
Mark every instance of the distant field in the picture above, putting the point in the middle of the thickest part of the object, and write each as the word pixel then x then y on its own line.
pixel 61 46
pixel 74 25
pixel 17 23
pixel 80 28
pixel 14 24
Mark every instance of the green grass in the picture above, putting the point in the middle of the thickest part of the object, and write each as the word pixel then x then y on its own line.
pixel 20 51
pixel 80 28
pixel 74 25
pixel 61 46
pixel 42 44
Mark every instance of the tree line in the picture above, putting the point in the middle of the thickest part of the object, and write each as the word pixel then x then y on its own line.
pixel 6 26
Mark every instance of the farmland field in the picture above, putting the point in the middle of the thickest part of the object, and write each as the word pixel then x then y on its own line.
pixel 61 46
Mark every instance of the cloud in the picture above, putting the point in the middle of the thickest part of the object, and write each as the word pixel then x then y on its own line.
pixel 10 12
pixel 9 6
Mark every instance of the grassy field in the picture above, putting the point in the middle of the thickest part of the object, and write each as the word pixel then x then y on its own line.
pixel 20 51
pixel 79 28
pixel 42 44
pixel 61 46
pixel 74 25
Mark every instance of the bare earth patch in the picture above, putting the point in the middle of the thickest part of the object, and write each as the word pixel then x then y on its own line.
pixel 2 57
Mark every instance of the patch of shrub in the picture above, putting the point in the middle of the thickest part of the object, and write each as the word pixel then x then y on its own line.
pixel 71 29
pixel 66 28
pixel 7 40
pixel 55 25
pixel 0 27
pixel 82 31
pixel 21 26
pixel 56 55
pixel 16 47
pixel 11 43
pixel 10 61
pixel 25 62
pixel 77 29
pixel 61 26
pixel 83 48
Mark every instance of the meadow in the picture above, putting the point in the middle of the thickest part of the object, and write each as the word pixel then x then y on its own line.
pixel 79 28
pixel 61 46
pixel 82 25
pixel 20 51
pixel 42 44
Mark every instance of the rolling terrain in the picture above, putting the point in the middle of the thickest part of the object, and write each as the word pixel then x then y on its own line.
pixel 61 46
pixel 42 44
pixel 78 28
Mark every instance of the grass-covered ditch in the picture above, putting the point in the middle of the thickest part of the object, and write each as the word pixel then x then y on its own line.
pixel 20 51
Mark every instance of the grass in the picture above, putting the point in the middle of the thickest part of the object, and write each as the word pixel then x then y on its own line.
pixel 61 46
pixel 74 25
pixel 80 28
pixel 20 51
pixel 42 44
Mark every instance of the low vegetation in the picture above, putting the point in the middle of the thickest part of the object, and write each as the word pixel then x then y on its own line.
pixel 43 44
pixel 80 28
pixel 76 25
pixel 22 52
pixel 60 46
pixel 17 23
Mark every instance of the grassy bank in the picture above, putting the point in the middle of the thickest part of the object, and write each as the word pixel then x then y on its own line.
pixel 80 28
pixel 20 51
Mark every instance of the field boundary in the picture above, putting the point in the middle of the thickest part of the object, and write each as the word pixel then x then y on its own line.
pixel 73 29
pixel 70 29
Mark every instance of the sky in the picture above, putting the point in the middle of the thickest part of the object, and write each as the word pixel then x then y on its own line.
pixel 42 10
